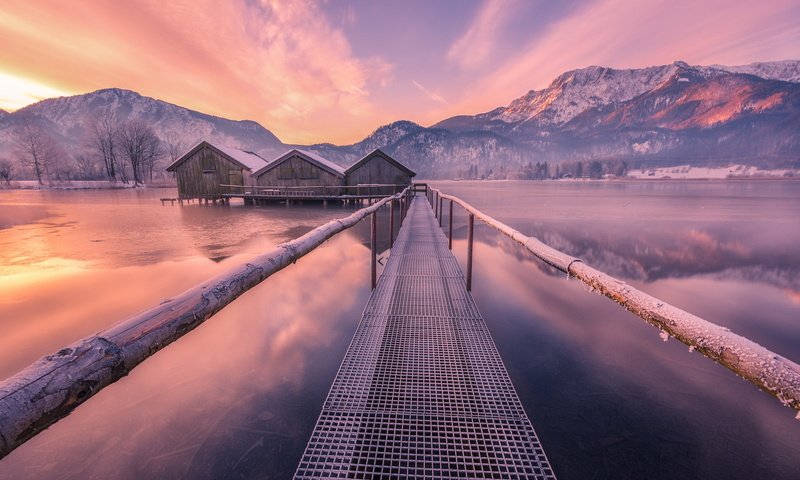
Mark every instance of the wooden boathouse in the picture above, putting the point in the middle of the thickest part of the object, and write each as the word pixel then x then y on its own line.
pixel 378 168
pixel 299 168
pixel 213 172
pixel 209 171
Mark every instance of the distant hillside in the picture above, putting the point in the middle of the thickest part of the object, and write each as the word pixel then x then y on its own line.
pixel 69 121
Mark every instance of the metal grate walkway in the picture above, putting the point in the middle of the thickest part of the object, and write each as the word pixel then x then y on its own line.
pixel 422 392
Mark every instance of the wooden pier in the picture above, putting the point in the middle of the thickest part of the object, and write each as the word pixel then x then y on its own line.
pixel 422 391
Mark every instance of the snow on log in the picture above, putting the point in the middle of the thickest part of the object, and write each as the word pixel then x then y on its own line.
pixel 769 371
pixel 50 388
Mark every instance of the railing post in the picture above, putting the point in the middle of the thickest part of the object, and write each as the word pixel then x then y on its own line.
pixel 391 223
pixel 374 247
pixel 450 237
pixel 469 251
pixel 441 200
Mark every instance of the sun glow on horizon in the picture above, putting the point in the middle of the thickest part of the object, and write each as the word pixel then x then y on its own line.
pixel 18 92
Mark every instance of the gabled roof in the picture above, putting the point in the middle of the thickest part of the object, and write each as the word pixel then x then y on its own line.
pixel 310 157
pixel 246 160
pixel 379 153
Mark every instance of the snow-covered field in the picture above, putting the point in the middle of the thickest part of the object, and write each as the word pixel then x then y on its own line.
pixel 688 172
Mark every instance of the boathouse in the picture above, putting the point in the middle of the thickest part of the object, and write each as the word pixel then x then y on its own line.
pixel 301 171
pixel 378 168
pixel 210 171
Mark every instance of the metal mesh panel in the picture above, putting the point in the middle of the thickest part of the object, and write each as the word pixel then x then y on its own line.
pixel 422 392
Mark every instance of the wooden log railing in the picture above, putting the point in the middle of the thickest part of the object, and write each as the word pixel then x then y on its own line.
pixel 52 387
pixel 769 371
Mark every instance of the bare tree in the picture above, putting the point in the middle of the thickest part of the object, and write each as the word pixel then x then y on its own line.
pixel 6 170
pixel 140 146
pixel 87 167
pixel 174 146
pixel 37 149
pixel 104 141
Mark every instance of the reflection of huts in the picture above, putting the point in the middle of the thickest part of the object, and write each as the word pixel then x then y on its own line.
pixel 301 171
pixel 206 169
pixel 378 168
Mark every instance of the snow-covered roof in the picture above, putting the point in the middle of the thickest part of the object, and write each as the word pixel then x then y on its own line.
pixel 245 159
pixel 322 163
pixel 248 159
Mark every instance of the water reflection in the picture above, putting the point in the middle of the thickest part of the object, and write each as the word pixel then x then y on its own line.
pixel 238 397
pixel 231 399
pixel 607 396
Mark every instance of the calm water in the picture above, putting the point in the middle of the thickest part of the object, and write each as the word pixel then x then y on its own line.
pixel 238 397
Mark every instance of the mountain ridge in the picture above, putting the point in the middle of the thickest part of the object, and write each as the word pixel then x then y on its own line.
pixel 646 116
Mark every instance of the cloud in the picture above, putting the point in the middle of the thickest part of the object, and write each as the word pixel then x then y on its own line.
pixel 433 96
pixel 624 34
pixel 282 63
pixel 478 43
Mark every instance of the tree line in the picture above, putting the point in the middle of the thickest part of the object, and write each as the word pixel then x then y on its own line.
pixel 594 169
pixel 127 151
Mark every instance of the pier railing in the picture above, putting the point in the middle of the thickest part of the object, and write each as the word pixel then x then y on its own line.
pixel 769 371
pixel 52 387
pixel 364 189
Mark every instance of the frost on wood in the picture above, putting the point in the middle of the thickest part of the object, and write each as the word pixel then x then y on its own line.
pixel 52 387
pixel 772 373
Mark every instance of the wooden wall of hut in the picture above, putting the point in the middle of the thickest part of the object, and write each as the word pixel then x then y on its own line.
pixel 298 172
pixel 377 170
pixel 202 174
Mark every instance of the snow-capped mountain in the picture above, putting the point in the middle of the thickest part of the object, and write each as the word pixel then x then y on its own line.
pixel 659 115
pixel 70 121
pixel 787 70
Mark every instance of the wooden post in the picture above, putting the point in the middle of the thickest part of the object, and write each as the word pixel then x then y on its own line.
pixel 391 223
pixel 450 236
pixel 469 251
pixel 441 200
pixel 374 246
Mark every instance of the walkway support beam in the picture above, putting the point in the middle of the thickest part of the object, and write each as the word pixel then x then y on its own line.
pixel 373 237
pixel 471 223
pixel 450 234
pixel 53 386
pixel 769 371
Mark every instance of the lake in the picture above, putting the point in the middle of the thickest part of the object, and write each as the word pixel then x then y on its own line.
pixel 239 396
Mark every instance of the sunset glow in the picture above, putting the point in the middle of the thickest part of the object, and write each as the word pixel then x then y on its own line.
pixel 334 71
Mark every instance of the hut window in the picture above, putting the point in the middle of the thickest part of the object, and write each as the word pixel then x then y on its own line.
pixel 208 163
pixel 285 173
pixel 308 172
pixel 209 171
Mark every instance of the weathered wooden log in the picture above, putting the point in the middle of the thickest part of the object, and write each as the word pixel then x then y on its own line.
pixel 52 387
pixel 769 371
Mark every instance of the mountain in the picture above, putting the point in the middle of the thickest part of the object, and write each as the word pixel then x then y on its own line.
pixel 615 118
pixel 658 115
pixel 787 70
pixel 70 120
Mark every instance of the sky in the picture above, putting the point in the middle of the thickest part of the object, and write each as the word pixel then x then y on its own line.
pixel 333 71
